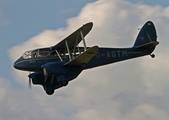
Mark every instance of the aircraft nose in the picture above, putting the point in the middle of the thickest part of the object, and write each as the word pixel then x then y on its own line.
pixel 14 65
pixel 18 64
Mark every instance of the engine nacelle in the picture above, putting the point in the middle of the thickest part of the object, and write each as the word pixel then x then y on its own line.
pixel 37 78
pixel 49 85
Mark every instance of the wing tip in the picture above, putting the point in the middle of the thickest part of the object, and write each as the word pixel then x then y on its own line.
pixel 89 24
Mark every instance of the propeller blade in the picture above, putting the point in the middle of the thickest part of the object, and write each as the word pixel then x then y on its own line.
pixel 29 83
pixel 45 74
pixel 29 80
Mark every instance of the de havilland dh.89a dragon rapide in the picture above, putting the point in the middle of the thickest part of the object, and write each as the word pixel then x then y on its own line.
pixel 55 66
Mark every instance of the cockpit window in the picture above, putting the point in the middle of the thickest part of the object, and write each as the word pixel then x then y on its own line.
pixel 27 55
pixel 39 53
pixel 43 53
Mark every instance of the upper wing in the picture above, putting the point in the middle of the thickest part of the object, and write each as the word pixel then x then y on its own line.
pixel 75 38
pixel 84 58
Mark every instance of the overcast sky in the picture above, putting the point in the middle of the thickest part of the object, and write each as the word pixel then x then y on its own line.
pixel 136 89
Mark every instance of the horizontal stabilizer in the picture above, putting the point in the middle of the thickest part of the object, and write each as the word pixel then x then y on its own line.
pixel 154 43
pixel 84 58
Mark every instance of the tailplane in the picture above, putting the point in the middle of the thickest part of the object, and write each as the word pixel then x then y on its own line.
pixel 147 37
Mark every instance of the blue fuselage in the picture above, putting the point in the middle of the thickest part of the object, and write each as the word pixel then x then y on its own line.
pixel 103 57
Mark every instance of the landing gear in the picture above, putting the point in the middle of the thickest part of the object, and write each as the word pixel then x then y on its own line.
pixel 152 55
pixel 49 92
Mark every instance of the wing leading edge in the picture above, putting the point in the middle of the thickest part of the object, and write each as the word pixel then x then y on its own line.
pixel 84 58
pixel 75 38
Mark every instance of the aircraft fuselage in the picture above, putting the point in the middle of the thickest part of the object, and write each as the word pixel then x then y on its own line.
pixel 103 57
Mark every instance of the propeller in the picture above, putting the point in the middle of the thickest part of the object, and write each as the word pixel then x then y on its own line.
pixel 45 74
pixel 29 81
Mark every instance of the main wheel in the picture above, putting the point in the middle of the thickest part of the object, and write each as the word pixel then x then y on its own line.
pixel 49 92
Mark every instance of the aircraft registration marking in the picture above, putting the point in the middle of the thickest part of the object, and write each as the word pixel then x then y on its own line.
pixel 110 54
pixel 115 53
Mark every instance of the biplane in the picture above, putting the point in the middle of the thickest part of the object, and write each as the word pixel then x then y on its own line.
pixel 54 67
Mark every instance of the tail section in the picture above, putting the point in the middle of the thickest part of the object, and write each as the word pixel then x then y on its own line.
pixel 147 37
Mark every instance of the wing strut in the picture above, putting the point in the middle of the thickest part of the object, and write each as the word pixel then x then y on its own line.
pixel 83 40
pixel 78 49
pixel 59 55
pixel 74 50
pixel 68 51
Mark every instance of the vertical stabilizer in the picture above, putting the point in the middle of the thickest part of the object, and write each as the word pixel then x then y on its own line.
pixel 147 36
